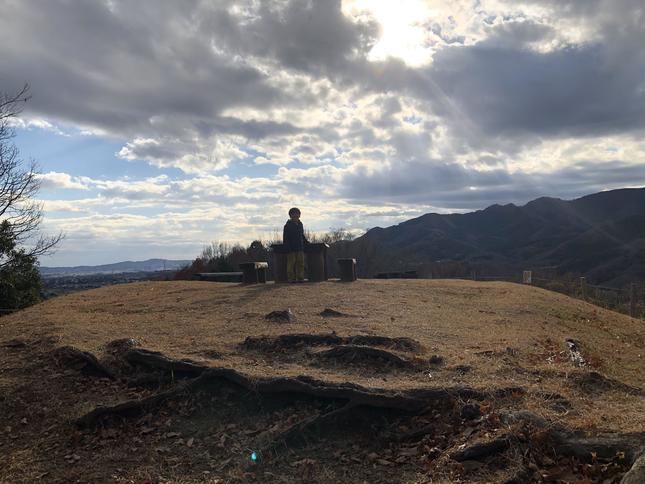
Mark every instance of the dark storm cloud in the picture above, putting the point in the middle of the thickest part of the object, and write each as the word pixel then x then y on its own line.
pixel 508 92
pixel 307 35
pixel 116 69
pixel 440 184
pixel 118 65
pixel 504 88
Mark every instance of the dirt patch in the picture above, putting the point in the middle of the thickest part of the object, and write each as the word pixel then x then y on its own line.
pixel 355 355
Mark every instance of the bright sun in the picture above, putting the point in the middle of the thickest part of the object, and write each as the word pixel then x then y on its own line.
pixel 403 34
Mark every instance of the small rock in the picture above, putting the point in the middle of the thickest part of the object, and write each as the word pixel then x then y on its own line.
pixel 285 316
pixel 331 313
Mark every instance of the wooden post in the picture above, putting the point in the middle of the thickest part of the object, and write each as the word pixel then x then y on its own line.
pixel 632 300
pixel 279 263
pixel 527 277
pixel 583 287
pixel 347 270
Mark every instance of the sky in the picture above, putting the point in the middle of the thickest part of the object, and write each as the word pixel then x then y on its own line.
pixel 160 126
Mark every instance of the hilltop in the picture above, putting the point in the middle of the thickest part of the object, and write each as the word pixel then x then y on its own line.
pixel 601 236
pixel 388 381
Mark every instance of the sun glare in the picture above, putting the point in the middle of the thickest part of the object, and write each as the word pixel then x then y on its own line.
pixel 403 31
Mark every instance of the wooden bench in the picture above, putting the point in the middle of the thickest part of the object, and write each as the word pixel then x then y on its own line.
pixel 254 272
pixel 398 275
pixel 220 276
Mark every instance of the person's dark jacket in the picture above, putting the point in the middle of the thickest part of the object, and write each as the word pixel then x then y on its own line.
pixel 293 236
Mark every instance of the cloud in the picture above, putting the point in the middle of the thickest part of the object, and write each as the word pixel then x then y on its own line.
pixel 501 101
pixel 441 184
pixel 63 180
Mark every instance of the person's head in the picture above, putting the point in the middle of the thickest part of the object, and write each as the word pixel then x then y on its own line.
pixel 294 213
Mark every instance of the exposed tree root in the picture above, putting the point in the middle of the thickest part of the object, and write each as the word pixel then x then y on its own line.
pixel 413 400
pixel 635 475
pixel 523 428
pixel 366 355
pixel 593 382
pixel 135 407
pixel 298 340
pixel 565 442
pixel 81 360
pixel 154 359
pixel 482 449
pixel 294 340
pixel 400 343
pixel 603 447
pixel 428 429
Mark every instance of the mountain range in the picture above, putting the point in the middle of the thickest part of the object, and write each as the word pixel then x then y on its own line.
pixel 601 236
pixel 149 265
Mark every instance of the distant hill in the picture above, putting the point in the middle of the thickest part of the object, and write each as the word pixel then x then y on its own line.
pixel 600 235
pixel 126 266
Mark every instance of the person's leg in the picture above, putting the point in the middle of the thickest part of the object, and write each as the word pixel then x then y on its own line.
pixel 300 266
pixel 291 266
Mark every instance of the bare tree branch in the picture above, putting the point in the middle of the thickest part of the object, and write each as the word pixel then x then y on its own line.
pixel 19 184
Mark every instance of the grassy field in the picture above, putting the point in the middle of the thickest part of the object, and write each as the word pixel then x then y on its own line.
pixel 486 336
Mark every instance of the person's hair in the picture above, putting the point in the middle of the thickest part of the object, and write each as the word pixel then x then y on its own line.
pixel 294 210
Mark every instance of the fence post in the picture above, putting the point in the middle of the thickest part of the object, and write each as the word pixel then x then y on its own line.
pixel 527 277
pixel 583 287
pixel 632 300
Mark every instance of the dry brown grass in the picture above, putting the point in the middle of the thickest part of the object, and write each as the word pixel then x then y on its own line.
pixel 451 318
